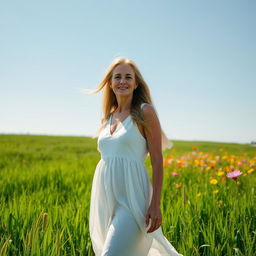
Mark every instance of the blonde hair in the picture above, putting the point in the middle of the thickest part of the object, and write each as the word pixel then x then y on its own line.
pixel 140 95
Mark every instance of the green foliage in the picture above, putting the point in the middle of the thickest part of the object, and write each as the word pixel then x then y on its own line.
pixel 45 191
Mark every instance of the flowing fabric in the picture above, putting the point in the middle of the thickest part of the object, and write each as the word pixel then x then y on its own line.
pixel 120 196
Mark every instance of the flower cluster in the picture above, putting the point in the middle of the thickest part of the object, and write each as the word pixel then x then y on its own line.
pixel 220 165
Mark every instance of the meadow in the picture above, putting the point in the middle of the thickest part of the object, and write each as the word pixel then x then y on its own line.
pixel 208 197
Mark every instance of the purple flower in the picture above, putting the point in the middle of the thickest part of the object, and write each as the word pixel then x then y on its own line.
pixel 234 174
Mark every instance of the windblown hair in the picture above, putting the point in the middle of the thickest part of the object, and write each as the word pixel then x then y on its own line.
pixel 140 95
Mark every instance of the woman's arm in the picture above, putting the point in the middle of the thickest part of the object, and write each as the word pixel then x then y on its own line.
pixel 153 137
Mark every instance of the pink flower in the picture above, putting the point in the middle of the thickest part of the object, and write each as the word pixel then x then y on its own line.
pixel 234 174
pixel 174 174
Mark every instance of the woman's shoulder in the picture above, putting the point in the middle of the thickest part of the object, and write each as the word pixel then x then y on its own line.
pixel 143 104
pixel 147 108
pixel 148 112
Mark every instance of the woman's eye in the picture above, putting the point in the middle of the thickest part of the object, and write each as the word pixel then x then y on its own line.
pixel 118 77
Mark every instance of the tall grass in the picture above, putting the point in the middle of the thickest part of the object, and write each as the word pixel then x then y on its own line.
pixel 45 191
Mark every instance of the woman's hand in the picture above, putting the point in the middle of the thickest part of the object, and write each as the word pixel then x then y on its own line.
pixel 153 213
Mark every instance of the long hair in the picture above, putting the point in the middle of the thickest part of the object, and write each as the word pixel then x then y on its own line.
pixel 140 95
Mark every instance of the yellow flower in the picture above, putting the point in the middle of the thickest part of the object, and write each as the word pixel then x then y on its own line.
pixel 196 162
pixel 213 181
pixel 215 191
pixel 220 173
pixel 245 174
pixel 207 168
pixel 198 194
pixel 250 171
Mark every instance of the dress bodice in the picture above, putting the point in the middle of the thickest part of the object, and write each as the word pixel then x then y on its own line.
pixel 126 141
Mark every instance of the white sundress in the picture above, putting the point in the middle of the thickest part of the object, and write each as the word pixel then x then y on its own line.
pixel 120 196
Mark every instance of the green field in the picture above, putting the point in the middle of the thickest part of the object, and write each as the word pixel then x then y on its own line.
pixel 45 191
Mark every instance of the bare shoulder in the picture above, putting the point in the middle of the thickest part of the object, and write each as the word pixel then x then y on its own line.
pixel 148 111
pixel 152 131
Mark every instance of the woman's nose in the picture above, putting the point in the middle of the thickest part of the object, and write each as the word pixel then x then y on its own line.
pixel 122 81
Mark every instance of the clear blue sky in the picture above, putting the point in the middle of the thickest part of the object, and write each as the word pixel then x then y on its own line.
pixel 198 58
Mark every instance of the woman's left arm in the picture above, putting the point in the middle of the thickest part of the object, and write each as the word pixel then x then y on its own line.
pixel 153 137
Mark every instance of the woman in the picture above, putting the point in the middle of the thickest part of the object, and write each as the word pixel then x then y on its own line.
pixel 125 217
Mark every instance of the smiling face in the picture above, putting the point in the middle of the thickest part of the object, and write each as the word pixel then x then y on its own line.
pixel 123 80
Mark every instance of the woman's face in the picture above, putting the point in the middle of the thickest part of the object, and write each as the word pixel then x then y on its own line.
pixel 123 80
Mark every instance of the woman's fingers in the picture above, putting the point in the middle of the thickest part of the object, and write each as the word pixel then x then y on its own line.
pixel 154 225
pixel 154 218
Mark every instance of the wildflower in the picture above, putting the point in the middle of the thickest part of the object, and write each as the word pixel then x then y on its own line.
pixel 220 173
pixel 196 162
pixel 215 191
pixel 250 171
pixel 178 185
pixel 175 173
pixel 194 148
pixel 227 168
pixel 234 174
pixel 198 194
pixel 213 163
pixel 213 181
pixel 223 179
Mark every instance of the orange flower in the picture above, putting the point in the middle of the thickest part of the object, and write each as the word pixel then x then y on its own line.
pixel 227 168
pixel 223 179
pixel 178 185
